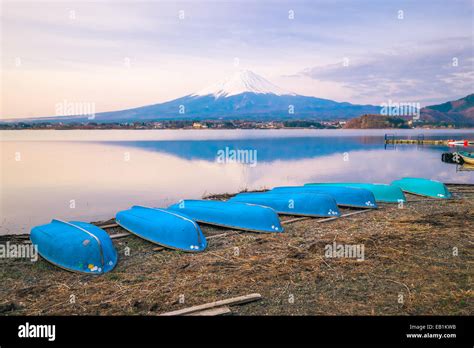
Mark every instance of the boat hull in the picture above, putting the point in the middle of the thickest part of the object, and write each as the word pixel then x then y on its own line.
pixel 166 228
pixel 467 157
pixel 467 167
pixel 382 192
pixel 301 204
pixel 423 187
pixel 460 143
pixel 235 215
pixel 75 246
pixel 344 196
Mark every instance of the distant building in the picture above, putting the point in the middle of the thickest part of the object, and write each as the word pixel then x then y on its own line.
pixel 199 125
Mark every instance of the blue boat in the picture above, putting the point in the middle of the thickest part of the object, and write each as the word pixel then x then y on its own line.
pixel 167 228
pixel 423 187
pixel 382 192
pixel 344 196
pixel 303 204
pixel 235 215
pixel 75 246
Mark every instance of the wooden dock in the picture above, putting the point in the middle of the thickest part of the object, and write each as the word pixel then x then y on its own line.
pixel 416 141
pixel 391 138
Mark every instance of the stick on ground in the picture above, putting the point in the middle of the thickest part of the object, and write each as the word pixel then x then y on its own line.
pixel 211 311
pixel 229 301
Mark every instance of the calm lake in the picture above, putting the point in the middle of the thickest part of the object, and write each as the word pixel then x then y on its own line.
pixel 90 175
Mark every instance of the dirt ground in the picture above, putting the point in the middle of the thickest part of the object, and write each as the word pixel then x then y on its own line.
pixel 417 260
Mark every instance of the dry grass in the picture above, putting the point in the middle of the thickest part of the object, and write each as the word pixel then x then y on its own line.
pixel 408 254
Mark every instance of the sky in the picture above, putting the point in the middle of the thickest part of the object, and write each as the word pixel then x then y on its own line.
pixel 124 54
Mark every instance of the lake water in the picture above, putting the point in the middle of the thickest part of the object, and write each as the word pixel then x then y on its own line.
pixel 90 175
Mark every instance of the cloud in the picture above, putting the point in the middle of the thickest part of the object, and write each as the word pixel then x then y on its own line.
pixel 432 72
pixel 170 57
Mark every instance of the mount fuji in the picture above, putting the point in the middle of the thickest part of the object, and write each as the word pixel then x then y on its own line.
pixel 245 95
pixel 244 81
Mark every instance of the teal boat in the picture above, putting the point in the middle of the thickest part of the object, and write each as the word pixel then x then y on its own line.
pixel 301 204
pixel 75 246
pixel 423 187
pixel 167 228
pixel 344 196
pixel 382 192
pixel 235 215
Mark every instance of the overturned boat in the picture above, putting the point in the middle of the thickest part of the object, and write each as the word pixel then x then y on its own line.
pixel 344 196
pixel 235 215
pixel 302 204
pixel 423 187
pixel 464 142
pixel 452 157
pixel 166 228
pixel 468 157
pixel 382 192
pixel 75 246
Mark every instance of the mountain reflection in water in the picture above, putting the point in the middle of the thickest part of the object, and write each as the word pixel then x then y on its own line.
pixel 91 180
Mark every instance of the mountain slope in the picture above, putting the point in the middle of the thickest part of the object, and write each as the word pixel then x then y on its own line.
pixel 244 105
pixel 245 95
pixel 460 112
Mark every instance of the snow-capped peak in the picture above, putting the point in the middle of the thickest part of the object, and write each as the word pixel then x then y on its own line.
pixel 243 81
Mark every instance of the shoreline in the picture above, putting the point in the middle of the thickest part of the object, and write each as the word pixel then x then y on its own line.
pixel 241 128
pixel 218 196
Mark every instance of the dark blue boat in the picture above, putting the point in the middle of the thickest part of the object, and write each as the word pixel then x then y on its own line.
pixel 303 204
pixel 344 196
pixel 167 228
pixel 75 246
pixel 235 215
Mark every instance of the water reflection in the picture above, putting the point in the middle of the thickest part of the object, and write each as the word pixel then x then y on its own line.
pixel 267 149
pixel 276 148
pixel 92 180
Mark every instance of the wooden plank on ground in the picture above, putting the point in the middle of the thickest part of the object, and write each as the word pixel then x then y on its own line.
pixel 212 311
pixel 326 219
pixel 220 235
pixel 294 220
pixel 345 215
pixel 108 226
pixel 229 301
pixel 120 235
pixel 427 200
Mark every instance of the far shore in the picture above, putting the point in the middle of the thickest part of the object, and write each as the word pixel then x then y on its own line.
pixel 364 122
pixel 7 128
